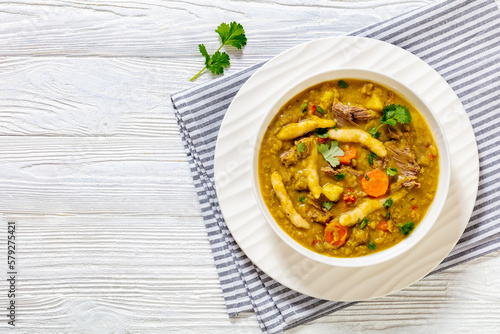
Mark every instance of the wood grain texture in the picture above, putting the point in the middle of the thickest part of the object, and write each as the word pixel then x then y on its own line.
pixel 96 175
pixel 170 29
pixel 110 235
pixel 108 274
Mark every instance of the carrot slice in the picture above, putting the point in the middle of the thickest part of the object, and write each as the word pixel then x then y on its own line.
pixel 383 226
pixel 335 234
pixel 350 153
pixel 375 183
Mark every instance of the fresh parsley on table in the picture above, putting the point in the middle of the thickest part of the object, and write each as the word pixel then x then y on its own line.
pixel 230 34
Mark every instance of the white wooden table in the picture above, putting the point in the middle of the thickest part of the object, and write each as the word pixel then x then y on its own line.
pixel 109 233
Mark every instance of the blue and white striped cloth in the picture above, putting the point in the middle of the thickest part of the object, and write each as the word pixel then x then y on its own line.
pixel 460 40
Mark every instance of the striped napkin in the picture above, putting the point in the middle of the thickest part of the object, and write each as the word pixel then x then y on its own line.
pixel 460 40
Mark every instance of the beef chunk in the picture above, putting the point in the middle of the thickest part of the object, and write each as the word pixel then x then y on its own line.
pixel 405 160
pixel 330 171
pixel 292 156
pixel 348 115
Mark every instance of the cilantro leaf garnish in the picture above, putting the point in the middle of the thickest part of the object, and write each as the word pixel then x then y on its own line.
pixel 343 84
pixel 393 114
pixel 204 52
pixel 321 132
pixel 328 205
pixel 340 176
pixel 387 216
pixel 217 62
pixel 302 199
pixel 331 153
pixel 230 34
pixel 371 245
pixel 388 203
pixel 373 131
pixel 391 171
pixel 372 156
pixel 406 228
pixel 301 147
pixel 363 223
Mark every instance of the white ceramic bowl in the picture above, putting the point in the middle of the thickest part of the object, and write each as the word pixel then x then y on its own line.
pixel 444 164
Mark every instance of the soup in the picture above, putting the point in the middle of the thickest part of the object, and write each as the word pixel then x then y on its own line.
pixel 348 168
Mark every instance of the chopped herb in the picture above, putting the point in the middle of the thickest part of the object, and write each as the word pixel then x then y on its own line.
pixel 371 245
pixel 407 227
pixel 328 205
pixel 373 131
pixel 372 156
pixel 320 110
pixel 343 84
pixel 302 199
pixel 340 176
pixel 366 177
pixel 392 115
pixel 388 203
pixel 395 114
pixel 391 171
pixel 230 34
pixel 331 153
pixel 304 107
pixel 321 132
pixel 215 64
pixel 363 223
pixel 335 127
pixel 387 216
pixel 301 148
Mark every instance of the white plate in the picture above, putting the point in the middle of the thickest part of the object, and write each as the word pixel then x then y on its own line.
pixel 233 162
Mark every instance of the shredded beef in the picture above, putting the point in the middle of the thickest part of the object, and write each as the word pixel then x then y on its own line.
pixel 330 171
pixel 405 160
pixel 348 115
pixel 291 156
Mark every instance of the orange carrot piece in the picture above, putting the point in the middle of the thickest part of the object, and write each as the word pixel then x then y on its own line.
pixel 335 234
pixel 383 226
pixel 350 153
pixel 375 183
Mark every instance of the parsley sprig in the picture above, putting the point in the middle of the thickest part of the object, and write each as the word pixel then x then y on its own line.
pixel 321 132
pixel 230 34
pixel 405 228
pixel 328 205
pixel 340 176
pixel 301 147
pixel 331 153
pixel 302 199
pixel 393 114
pixel 391 171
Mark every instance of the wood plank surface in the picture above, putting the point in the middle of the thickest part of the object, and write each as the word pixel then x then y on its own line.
pixel 110 235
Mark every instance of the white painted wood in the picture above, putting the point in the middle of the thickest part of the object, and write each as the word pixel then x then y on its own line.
pixel 110 235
